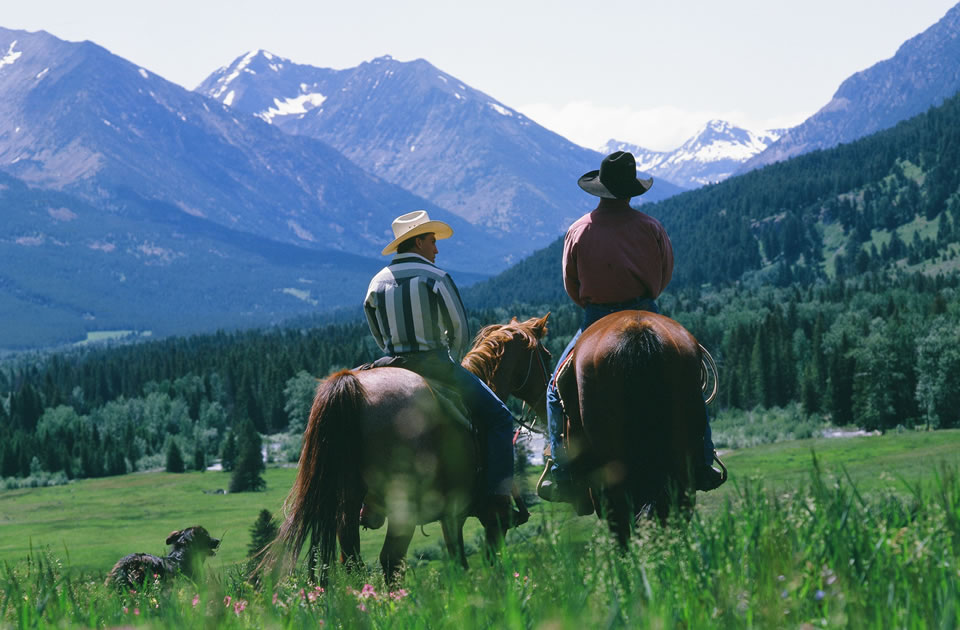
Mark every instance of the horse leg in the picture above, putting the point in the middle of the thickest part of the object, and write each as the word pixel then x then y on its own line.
pixel 394 551
pixel 452 527
pixel 348 533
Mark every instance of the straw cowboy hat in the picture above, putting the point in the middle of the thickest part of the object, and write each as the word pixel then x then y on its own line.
pixel 414 224
pixel 616 179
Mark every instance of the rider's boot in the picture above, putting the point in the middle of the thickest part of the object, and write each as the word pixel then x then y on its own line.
pixel 370 518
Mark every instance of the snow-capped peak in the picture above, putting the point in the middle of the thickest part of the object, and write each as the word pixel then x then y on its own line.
pixel 711 155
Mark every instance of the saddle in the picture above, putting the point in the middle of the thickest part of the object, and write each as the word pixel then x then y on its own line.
pixel 447 397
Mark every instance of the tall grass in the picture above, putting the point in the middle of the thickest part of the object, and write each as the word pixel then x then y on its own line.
pixel 823 555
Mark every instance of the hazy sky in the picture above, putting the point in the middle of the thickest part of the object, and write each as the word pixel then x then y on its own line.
pixel 647 72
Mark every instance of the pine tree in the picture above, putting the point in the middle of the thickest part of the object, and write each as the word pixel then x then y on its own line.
pixel 263 532
pixel 246 473
pixel 199 459
pixel 174 458
pixel 228 453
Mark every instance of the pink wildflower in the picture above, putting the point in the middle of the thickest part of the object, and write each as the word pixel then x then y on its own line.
pixel 136 611
pixel 239 606
pixel 196 600
pixel 226 601
pixel 398 595
pixel 126 610
pixel 368 591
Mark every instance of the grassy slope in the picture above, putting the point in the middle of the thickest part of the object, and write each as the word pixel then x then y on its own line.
pixel 92 523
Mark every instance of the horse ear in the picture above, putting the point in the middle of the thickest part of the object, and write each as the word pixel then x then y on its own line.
pixel 541 325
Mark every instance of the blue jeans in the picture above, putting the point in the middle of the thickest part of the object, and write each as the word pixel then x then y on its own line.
pixel 555 423
pixel 484 407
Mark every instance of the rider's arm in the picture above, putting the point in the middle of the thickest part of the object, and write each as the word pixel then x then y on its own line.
pixel 571 278
pixel 666 256
pixel 370 310
pixel 454 316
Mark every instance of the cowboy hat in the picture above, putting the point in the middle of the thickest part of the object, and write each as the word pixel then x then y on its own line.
pixel 616 179
pixel 414 224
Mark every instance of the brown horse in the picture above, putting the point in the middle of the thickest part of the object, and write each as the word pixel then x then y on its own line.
pixel 380 436
pixel 632 395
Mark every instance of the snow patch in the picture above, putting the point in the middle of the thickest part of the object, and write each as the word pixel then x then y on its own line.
pixel 228 99
pixel 62 214
pixel 500 109
pixel 11 56
pixel 300 231
pixel 296 105
pixel 30 241
pixel 102 246
pixel 225 83
pixel 143 73
pixel 300 294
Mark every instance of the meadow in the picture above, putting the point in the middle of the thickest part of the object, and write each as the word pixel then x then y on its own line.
pixel 854 532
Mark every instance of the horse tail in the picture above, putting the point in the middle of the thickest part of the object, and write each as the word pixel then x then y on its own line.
pixel 329 470
pixel 639 361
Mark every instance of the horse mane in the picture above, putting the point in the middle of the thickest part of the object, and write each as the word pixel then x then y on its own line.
pixel 484 357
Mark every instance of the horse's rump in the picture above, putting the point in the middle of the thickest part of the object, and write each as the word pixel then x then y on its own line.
pixel 634 390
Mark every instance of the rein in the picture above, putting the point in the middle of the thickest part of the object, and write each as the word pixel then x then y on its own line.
pixel 525 414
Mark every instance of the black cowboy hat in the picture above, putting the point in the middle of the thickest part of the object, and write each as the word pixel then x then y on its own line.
pixel 616 179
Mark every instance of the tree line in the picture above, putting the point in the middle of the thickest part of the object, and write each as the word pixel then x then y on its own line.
pixel 876 351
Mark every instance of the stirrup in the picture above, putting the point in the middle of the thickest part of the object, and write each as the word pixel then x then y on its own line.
pixel 723 468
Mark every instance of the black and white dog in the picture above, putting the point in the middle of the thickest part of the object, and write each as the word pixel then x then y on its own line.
pixel 191 547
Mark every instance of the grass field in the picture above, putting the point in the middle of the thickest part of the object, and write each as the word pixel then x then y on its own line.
pixel 781 539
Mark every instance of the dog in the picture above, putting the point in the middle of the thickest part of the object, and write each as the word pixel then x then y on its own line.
pixel 191 547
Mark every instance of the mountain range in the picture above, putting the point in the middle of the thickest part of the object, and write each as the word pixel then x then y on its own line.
pixel 76 118
pixel 268 192
pixel 711 155
pixel 923 73
pixel 428 132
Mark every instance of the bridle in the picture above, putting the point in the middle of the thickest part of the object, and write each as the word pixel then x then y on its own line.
pixel 545 379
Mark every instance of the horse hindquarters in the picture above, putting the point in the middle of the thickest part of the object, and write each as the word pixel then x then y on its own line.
pixel 324 500
pixel 635 392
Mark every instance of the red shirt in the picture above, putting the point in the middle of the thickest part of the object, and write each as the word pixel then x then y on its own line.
pixel 616 254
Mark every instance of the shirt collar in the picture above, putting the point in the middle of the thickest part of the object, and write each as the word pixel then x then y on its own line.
pixel 409 257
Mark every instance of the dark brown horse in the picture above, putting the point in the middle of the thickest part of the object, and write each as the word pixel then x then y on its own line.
pixel 380 436
pixel 632 394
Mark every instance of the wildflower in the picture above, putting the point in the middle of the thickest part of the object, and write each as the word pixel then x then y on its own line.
pixel 239 606
pixel 398 595
pixel 126 610
pixel 516 574
pixel 196 600
pixel 819 595
pixel 368 591
pixel 136 611
pixel 226 601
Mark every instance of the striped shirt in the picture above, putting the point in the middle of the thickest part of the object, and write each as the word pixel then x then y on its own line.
pixel 413 306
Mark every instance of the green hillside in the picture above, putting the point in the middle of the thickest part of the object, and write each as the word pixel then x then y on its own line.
pixel 888 201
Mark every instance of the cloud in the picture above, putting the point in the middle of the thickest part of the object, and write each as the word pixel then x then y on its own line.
pixel 657 128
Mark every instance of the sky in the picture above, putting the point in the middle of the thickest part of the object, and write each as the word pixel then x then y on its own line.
pixel 648 72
